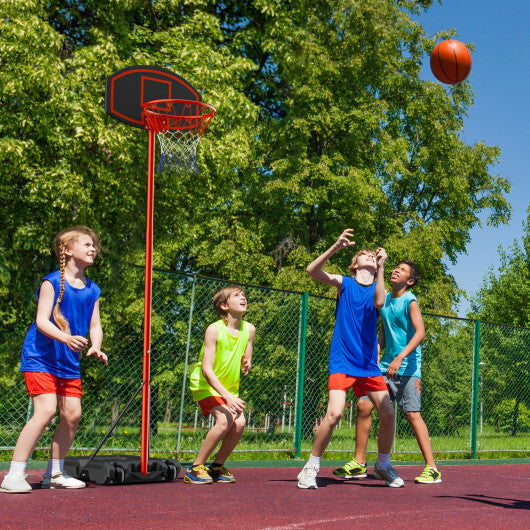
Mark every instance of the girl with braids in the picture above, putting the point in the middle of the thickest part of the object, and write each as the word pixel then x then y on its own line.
pixel 68 309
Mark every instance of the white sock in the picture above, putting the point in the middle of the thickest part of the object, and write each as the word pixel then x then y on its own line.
pixel 16 467
pixel 314 460
pixel 383 459
pixel 54 466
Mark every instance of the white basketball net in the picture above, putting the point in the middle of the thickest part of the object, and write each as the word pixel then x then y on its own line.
pixel 178 150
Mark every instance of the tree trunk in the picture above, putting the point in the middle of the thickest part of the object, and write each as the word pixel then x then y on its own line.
pixel 515 416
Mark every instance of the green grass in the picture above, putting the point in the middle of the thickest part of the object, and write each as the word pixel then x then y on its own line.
pixel 261 445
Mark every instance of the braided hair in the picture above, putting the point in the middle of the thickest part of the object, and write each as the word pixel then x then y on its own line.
pixel 61 243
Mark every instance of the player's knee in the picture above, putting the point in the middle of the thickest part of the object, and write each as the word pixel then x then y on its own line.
pixel 224 422
pixel 44 416
pixel 71 415
pixel 334 416
pixel 413 417
pixel 240 421
pixel 386 412
pixel 364 408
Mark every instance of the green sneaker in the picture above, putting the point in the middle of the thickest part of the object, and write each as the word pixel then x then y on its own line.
pixel 429 475
pixel 351 470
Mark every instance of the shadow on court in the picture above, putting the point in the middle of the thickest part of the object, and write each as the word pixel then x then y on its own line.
pixel 474 496
pixel 501 502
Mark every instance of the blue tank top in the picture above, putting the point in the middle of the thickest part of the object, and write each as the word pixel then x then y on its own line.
pixel 42 354
pixel 354 342
pixel 398 332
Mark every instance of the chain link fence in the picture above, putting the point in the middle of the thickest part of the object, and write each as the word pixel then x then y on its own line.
pixel 475 384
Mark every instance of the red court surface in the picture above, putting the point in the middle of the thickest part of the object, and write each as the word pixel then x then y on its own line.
pixel 474 496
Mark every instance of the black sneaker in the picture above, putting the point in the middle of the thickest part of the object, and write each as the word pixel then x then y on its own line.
pixel 220 474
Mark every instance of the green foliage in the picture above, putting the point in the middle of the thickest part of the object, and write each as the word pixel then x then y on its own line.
pixel 508 412
pixel 504 298
pixel 447 354
pixel 505 292
pixel 322 123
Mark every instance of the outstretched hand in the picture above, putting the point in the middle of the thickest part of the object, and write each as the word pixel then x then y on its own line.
pixel 344 241
pixel 98 354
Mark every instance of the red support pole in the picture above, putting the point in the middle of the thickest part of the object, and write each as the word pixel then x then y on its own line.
pixel 146 389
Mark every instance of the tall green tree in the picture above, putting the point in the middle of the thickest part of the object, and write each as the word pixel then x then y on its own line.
pixel 349 135
pixel 506 290
pixel 323 123
pixel 506 365
pixel 64 161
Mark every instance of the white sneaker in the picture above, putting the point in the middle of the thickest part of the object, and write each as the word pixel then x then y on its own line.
pixel 389 475
pixel 307 478
pixel 15 483
pixel 61 480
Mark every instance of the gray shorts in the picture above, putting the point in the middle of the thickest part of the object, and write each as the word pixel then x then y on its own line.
pixel 405 390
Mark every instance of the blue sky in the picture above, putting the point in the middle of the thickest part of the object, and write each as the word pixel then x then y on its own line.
pixel 500 115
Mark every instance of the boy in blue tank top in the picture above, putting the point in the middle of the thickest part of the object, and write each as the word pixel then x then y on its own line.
pixel 353 355
pixel 402 333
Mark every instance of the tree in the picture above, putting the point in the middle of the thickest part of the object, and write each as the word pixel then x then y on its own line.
pixel 505 292
pixel 64 161
pixel 504 298
pixel 349 135
pixel 323 122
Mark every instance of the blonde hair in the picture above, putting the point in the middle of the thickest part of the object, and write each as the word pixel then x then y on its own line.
pixel 60 243
pixel 222 296
pixel 352 268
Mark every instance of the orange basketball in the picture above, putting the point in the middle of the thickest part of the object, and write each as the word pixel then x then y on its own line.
pixel 450 61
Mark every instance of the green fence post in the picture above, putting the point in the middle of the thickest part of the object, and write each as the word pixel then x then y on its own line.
pixel 300 372
pixel 474 396
pixel 184 376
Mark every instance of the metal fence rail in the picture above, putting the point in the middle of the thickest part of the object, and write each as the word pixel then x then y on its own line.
pixel 475 384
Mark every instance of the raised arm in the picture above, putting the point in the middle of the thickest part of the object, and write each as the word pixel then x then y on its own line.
pixel 380 291
pixel 314 269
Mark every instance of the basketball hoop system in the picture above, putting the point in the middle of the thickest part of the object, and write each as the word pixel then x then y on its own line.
pixel 164 103
pixel 178 125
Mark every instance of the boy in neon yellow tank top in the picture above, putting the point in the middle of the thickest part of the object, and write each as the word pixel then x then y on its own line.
pixel 226 352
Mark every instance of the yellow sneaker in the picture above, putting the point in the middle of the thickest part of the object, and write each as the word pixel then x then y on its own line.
pixel 197 475
pixel 429 475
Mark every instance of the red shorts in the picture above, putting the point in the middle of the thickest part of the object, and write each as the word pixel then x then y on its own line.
pixel 209 403
pixel 44 383
pixel 359 385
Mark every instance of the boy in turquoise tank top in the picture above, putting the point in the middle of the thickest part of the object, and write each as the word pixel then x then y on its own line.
pixel 214 384
pixel 401 336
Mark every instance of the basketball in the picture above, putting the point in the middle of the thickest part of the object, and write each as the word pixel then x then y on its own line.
pixel 450 61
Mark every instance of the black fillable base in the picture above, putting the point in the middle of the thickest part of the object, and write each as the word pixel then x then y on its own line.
pixel 121 469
